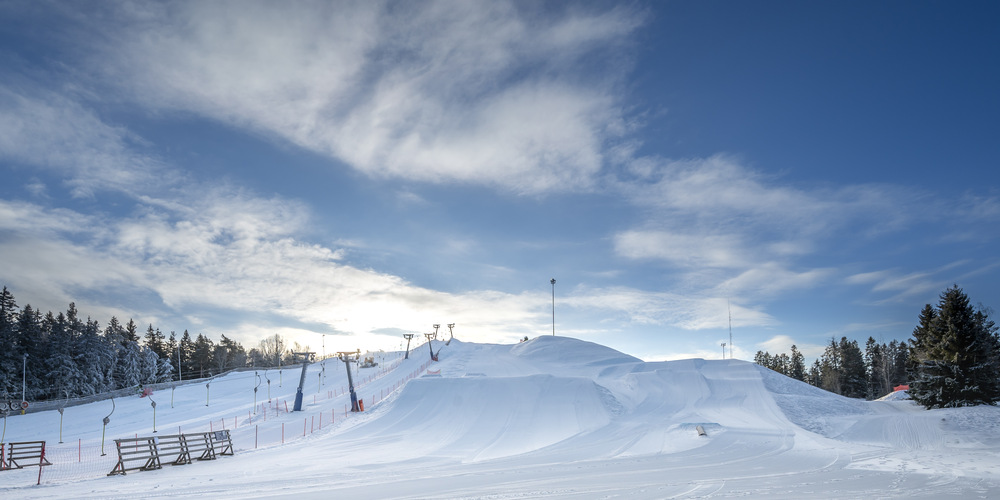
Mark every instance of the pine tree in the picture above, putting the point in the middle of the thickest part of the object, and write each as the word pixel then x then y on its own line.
pixel 61 367
pixel 955 355
pixel 815 377
pixel 900 354
pixel 34 343
pixel 149 366
pixel 171 346
pixel 153 340
pixel 9 348
pixel 113 341
pixel 854 382
pixel 187 364
pixel 236 355
pixel 762 358
pixel 203 355
pixel 797 367
pixel 130 333
pixel 92 359
pixel 831 368
pixel 130 362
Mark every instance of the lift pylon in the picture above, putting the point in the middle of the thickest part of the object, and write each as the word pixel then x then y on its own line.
pixel 430 336
pixel 347 357
pixel 302 378
pixel 408 337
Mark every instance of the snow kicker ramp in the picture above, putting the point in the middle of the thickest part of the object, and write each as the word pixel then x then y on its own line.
pixel 553 397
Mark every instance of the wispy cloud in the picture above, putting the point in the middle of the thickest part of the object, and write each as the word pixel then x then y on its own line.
pixel 50 130
pixel 497 94
pixel 664 308
pixel 682 250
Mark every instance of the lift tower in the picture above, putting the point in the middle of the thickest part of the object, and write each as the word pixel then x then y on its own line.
pixel 408 337
pixel 347 358
pixel 429 337
pixel 302 378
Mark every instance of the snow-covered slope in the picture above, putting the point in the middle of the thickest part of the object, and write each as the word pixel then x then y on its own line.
pixel 551 417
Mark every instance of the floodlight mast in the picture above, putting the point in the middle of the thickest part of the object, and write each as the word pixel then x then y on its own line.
pixel 730 309
pixel 302 378
pixel 408 337
pixel 346 357
pixel 553 281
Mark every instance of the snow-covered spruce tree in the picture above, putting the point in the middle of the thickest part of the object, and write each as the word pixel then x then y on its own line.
pixel 797 366
pixel 954 355
pixel 9 348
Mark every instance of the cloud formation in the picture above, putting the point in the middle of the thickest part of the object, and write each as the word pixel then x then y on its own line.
pixel 496 94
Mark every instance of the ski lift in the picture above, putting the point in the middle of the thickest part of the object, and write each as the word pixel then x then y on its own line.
pixel 107 420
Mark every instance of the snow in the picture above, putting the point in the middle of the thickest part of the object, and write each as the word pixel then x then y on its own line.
pixel 552 417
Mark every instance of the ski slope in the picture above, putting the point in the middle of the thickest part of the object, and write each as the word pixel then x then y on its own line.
pixel 553 417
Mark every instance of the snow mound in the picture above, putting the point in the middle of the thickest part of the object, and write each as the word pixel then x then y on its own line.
pixel 895 396
pixel 565 351
pixel 472 419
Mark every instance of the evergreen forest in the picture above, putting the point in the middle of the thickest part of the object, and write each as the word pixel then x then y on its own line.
pixel 952 359
pixel 62 355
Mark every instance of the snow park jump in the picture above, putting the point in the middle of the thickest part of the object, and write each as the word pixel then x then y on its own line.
pixel 553 417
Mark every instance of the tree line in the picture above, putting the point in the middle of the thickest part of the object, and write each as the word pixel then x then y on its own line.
pixel 68 356
pixel 844 368
pixel 952 359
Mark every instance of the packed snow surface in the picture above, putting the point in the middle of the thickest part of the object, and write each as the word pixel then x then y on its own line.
pixel 552 417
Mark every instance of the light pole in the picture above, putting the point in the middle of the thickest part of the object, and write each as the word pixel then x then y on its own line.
pixel 723 350
pixel 553 281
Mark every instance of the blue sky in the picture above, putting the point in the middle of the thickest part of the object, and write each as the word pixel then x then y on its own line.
pixel 361 170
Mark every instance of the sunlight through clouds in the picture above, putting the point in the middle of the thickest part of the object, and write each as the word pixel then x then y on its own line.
pixel 373 167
